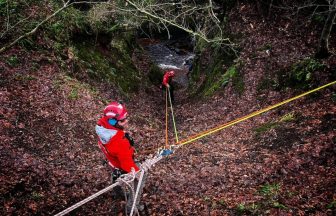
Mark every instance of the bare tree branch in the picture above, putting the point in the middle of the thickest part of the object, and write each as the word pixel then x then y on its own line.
pixel 36 27
pixel 7 9
pixel 12 27
pixel 167 18
pixel 65 5
pixel 184 15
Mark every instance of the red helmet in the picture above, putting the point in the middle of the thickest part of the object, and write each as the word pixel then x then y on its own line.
pixel 171 73
pixel 116 110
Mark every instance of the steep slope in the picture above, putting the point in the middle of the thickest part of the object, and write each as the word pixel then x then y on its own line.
pixel 281 162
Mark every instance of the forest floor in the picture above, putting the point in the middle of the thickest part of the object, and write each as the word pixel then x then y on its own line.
pixel 282 162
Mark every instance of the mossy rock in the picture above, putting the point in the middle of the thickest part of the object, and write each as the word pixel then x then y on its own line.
pixel 124 43
pixel 114 66
pixel 207 80
pixel 232 74
pixel 155 75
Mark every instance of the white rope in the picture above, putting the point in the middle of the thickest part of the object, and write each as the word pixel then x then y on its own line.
pixel 137 193
pixel 66 211
pixel 145 166
pixel 126 179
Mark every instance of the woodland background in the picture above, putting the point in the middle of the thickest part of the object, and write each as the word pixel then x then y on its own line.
pixel 63 61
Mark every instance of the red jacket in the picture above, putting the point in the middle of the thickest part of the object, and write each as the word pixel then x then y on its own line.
pixel 166 79
pixel 115 146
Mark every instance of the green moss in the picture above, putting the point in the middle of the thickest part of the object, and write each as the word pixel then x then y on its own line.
pixel 241 208
pixel 36 195
pixel 269 189
pixel 332 205
pixel 247 209
pixel 96 64
pixel 266 46
pixel 298 76
pixel 68 24
pixel 73 86
pixel 278 205
pixel 232 74
pixel 266 127
pixel 123 43
pixel 288 117
pixel 24 78
pixel 200 45
pixel 223 81
pixel 73 95
pixel 13 61
pixel 302 71
pixel 269 125
pixel 206 80
pixel 113 66
pixel 155 75
pixel 238 82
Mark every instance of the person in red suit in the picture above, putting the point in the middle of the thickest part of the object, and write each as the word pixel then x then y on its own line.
pixel 118 147
pixel 116 144
pixel 167 83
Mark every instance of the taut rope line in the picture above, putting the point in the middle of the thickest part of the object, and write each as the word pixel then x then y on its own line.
pixel 171 108
pixel 166 119
pixel 146 165
pixel 228 124
pixel 126 178
pixel 66 211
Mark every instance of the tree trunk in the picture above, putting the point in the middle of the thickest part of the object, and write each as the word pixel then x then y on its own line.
pixel 323 46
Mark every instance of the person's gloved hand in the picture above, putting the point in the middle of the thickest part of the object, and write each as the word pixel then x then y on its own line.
pixel 116 173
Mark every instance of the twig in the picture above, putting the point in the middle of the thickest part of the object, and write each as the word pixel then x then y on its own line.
pixel 10 28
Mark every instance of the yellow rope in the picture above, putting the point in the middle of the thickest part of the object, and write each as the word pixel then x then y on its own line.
pixel 166 146
pixel 221 127
pixel 172 112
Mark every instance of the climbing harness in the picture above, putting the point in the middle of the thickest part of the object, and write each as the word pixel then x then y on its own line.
pixel 128 179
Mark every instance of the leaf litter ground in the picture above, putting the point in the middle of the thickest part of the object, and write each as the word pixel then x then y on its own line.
pixel 50 160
